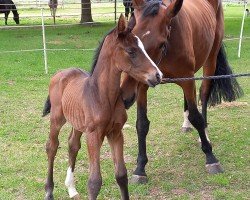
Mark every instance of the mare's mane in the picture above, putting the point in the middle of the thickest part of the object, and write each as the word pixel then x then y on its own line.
pixel 98 50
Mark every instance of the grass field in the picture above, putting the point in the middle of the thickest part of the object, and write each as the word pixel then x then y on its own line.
pixel 176 164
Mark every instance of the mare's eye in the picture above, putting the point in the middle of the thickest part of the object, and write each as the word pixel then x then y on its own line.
pixel 161 45
pixel 131 52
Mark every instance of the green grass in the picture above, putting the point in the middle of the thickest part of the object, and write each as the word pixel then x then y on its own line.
pixel 176 163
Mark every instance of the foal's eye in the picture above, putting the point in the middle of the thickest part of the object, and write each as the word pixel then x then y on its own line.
pixel 131 52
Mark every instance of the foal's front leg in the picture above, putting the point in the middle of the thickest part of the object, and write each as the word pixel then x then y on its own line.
pixel 116 143
pixel 142 127
pixel 94 142
pixel 74 146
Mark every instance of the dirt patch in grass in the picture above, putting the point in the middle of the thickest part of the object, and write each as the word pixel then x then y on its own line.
pixel 230 105
pixel 56 42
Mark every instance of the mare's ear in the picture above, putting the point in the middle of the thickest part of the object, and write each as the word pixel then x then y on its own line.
pixel 131 23
pixel 138 4
pixel 122 25
pixel 174 8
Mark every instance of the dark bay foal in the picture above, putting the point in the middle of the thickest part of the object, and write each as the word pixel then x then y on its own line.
pixel 92 103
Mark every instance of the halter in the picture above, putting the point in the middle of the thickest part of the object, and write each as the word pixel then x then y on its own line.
pixel 164 48
pixel 163 53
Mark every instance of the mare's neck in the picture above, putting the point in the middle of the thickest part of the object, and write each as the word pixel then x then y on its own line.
pixel 106 77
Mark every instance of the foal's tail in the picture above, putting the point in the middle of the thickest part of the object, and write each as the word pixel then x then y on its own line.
pixel 47 107
pixel 227 89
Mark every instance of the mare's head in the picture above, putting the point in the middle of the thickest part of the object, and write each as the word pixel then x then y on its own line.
pixel 153 27
pixel 130 56
pixel 153 23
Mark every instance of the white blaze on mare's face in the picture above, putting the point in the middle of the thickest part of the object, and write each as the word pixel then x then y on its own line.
pixel 145 34
pixel 140 44
pixel 70 183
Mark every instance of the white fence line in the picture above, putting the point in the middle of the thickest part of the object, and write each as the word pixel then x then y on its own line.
pixel 92 49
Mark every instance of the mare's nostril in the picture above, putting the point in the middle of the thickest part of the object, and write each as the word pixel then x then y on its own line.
pixel 158 77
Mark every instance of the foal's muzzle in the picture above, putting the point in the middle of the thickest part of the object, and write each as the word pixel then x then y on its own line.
pixel 155 80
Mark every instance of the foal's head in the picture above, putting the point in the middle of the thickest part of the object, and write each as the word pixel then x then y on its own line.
pixel 131 57
pixel 153 18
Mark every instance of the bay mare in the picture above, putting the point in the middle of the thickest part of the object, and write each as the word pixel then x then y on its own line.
pixel 92 103
pixel 5 7
pixel 181 37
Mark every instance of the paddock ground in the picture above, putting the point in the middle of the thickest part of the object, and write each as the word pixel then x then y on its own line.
pixel 176 163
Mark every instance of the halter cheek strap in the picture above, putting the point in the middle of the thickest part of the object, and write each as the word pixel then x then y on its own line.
pixel 163 53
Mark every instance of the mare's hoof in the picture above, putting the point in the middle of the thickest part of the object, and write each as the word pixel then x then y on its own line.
pixel 214 168
pixel 49 196
pixel 76 197
pixel 186 129
pixel 139 179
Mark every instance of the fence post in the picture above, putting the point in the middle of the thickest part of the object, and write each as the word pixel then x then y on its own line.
pixel 44 45
pixel 242 28
pixel 115 10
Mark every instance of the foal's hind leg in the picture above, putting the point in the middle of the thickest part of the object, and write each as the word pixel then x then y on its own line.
pixel 57 120
pixel 116 143
pixel 94 142
pixel 196 119
pixel 74 146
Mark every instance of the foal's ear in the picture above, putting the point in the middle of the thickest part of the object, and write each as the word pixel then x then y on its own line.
pixel 174 8
pixel 138 4
pixel 122 25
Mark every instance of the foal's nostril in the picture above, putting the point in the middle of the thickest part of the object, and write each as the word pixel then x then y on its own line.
pixel 158 77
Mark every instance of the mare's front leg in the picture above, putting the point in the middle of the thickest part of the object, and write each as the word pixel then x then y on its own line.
pixel 212 164
pixel 94 143
pixel 116 143
pixel 57 120
pixel 74 146
pixel 142 127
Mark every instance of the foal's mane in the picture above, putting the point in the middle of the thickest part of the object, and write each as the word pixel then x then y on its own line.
pixel 151 8
pixel 98 50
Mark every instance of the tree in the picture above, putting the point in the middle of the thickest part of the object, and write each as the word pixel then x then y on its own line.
pixel 86 15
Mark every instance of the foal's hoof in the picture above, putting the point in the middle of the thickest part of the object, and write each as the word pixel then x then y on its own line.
pixel 49 196
pixel 186 129
pixel 76 197
pixel 214 168
pixel 139 179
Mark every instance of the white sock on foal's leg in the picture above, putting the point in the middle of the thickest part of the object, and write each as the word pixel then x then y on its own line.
pixel 70 183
